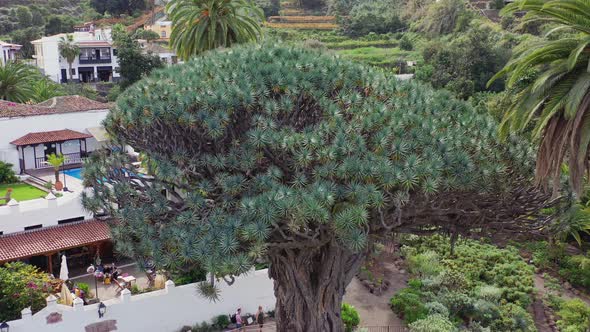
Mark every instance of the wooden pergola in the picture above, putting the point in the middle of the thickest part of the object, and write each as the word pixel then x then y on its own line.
pixel 57 137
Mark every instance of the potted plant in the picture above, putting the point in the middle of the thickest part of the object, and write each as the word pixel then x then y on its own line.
pixel 56 161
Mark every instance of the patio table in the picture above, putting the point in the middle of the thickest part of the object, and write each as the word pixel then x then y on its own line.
pixel 128 280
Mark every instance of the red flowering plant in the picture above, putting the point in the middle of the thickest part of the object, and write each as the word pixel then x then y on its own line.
pixel 21 286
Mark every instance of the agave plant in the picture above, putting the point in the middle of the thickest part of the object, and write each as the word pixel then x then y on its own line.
pixel 558 100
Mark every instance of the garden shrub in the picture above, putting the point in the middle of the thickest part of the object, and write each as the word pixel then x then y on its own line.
pixel 437 308
pixel 485 311
pixel 433 323
pixel 408 304
pixel 405 43
pixel 7 174
pixel 376 16
pixel 22 286
pixel 221 321
pixel 513 318
pixel 424 264
pixel 488 292
pixel 350 317
pixel 85 288
pixel 480 282
pixel 574 316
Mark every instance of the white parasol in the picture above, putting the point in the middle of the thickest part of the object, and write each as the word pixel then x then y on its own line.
pixel 63 272
pixel 66 296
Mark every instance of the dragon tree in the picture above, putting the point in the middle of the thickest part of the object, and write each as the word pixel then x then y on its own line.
pixel 302 160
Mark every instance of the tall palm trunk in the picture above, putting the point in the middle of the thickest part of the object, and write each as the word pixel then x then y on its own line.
pixel 70 69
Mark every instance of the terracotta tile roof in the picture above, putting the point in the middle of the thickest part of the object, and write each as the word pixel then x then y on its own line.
pixel 49 136
pixel 52 239
pixel 55 105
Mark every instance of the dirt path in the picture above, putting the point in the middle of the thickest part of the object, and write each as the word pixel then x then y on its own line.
pixel 538 308
pixel 374 310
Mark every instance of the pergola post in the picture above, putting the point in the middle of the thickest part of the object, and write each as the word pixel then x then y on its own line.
pixel 23 163
pixel 35 156
pixel 49 263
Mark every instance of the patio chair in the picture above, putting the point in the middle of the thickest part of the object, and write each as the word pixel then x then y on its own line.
pixel 120 285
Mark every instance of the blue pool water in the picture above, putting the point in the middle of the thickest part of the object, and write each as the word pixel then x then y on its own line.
pixel 75 172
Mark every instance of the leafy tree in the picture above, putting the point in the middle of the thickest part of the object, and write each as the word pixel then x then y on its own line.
pixel 269 7
pixel 21 286
pixel 378 16
pixel 133 64
pixel 558 101
pixel 464 64
pixel 69 50
pixel 302 160
pixel 15 82
pixel 24 37
pixel 24 17
pixel 148 35
pixel 59 24
pixel 312 4
pixel 7 174
pixel 444 17
pixel 118 7
pixel 199 26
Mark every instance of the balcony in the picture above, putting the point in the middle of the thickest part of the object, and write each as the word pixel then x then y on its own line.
pixel 89 61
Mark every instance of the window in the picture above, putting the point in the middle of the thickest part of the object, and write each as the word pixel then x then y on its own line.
pixel 1 233
pixel 70 220
pixel 33 227
pixel 163 33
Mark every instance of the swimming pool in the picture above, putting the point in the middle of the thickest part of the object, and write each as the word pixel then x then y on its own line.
pixel 74 172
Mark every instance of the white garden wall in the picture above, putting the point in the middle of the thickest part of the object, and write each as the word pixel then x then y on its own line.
pixel 15 216
pixel 160 311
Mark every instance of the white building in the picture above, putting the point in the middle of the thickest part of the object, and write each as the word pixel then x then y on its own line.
pixel 97 61
pixel 68 125
pixel 8 52
pixel 167 55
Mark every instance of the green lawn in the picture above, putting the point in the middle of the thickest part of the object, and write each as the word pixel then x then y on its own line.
pixel 376 55
pixel 21 192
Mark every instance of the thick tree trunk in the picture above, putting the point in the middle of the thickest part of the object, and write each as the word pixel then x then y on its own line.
pixel 310 284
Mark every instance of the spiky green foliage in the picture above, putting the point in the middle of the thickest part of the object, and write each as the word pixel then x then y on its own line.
pixel 263 147
pixel 558 101
pixel 267 149
pixel 201 25
pixel 69 50
pixel 15 81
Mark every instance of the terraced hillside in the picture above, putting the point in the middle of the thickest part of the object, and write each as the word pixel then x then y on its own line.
pixel 293 17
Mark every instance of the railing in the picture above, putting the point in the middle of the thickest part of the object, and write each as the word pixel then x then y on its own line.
pixel 70 158
pixel 85 61
pixel 383 329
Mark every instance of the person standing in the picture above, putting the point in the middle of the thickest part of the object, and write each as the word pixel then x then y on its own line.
pixel 239 323
pixel 260 318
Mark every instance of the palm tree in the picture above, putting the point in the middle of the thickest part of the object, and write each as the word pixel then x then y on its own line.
pixel 15 81
pixel 56 161
pixel 557 101
pixel 201 25
pixel 44 89
pixel 68 50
